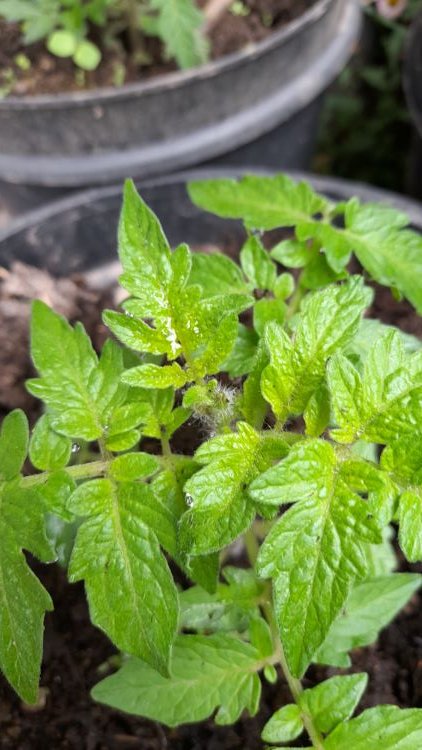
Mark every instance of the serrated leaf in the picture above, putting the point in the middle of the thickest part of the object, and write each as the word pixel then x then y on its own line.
pixel 207 673
pixel 179 25
pixel 391 253
pixel 173 318
pixel 23 600
pixel 261 202
pixel 130 589
pixel 220 507
pixel 48 450
pixel 386 727
pixel 328 321
pixel 333 700
pixel 314 553
pixel 285 725
pixel 78 388
pixel 385 402
pixel 370 607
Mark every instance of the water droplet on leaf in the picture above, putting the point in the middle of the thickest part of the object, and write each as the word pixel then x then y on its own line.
pixel 76 447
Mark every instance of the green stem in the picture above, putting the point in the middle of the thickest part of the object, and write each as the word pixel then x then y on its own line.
pixel 165 445
pixel 252 546
pixel 295 299
pixel 80 471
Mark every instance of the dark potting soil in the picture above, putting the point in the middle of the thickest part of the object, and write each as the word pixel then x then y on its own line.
pixel 50 75
pixel 76 653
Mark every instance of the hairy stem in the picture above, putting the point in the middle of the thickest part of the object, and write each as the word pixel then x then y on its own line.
pixel 80 471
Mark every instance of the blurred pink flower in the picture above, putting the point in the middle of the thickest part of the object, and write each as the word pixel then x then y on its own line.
pixel 391 8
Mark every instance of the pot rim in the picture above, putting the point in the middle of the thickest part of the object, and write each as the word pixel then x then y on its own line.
pixel 337 187
pixel 174 79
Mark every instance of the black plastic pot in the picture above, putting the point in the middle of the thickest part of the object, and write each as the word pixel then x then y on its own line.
pixel 258 106
pixel 78 233
pixel 412 84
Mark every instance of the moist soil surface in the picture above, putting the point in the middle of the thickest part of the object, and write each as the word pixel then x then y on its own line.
pixel 76 653
pixel 49 75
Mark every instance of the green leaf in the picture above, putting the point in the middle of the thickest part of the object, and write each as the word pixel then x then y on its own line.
pixel 80 390
pixel 87 55
pixel 211 613
pixel 220 508
pixel 334 700
pixel 317 412
pixel 252 404
pixel 291 253
pixel 304 473
pixel 242 356
pixel 311 553
pixel 133 466
pixel 392 255
pixel 262 202
pixel 62 43
pixel 144 253
pixel 48 450
pixel 403 459
pixel 216 274
pixel 285 725
pixel 257 264
pixel 328 321
pixel 385 403
pixel 410 519
pixel 169 316
pixel 56 491
pixel 153 376
pixel 268 310
pixel 162 512
pixel 207 673
pixel 13 444
pixel 386 727
pixel 160 416
pixel 229 608
pixel 130 589
pixel 370 608
pixel 23 600
pixel 179 25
